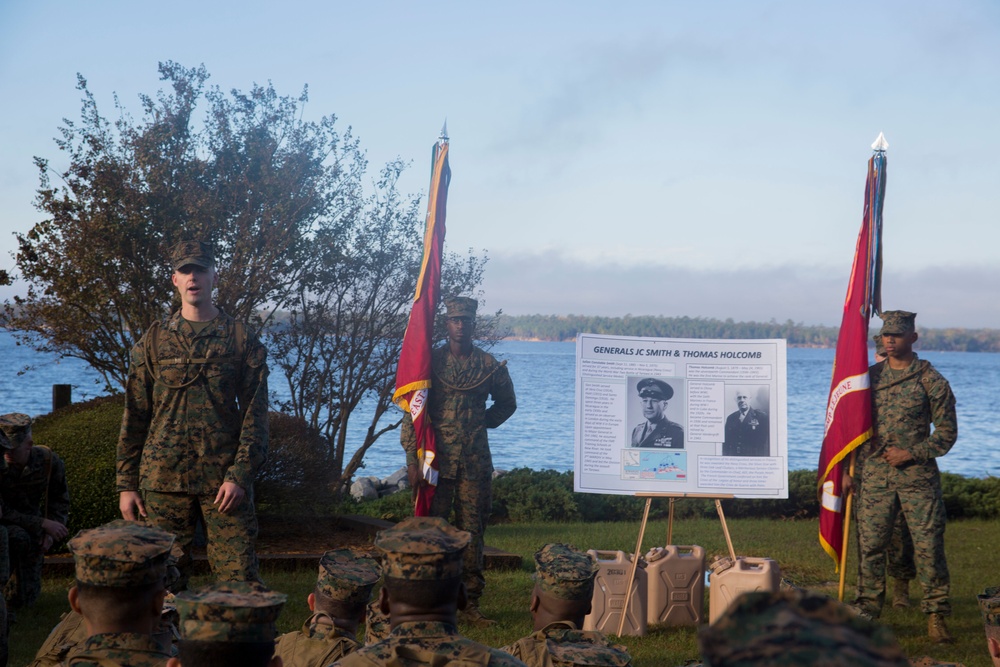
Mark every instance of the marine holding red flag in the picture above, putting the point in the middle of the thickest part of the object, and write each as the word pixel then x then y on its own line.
pixel 413 374
pixel 849 412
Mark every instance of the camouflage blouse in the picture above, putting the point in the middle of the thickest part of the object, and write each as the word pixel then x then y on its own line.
pixel 196 416
pixel 122 648
pixel 421 643
pixel 562 644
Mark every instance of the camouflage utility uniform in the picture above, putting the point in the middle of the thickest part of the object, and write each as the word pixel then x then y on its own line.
pixel 563 644
pixel 457 408
pixel 906 402
pixel 195 417
pixel 120 648
pixel 426 643
pixel 317 645
pixel 38 491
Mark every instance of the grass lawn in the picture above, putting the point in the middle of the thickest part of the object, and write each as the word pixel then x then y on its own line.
pixel 793 544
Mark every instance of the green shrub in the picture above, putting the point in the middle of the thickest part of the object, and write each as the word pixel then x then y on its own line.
pixel 85 435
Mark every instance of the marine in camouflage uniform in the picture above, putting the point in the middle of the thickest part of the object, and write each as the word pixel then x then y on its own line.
pixel 35 501
pixel 989 607
pixel 120 566
pixel 465 377
pixel 795 627
pixel 343 588
pixel 899 472
pixel 4 565
pixel 195 429
pixel 564 589
pixel 228 623
pixel 422 593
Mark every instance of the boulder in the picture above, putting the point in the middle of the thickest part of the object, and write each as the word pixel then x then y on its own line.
pixel 364 489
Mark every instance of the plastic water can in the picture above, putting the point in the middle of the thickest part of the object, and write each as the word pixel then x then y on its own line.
pixel 730 580
pixel 676 586
pixel 609 595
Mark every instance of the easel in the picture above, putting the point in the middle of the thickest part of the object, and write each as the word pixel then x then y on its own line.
pixel 670 534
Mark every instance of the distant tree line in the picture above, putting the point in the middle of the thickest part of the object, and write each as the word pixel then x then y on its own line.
pixel 567 327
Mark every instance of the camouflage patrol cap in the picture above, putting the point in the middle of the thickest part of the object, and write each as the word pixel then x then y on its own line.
pixel 347 577
pixel 879 347
pixel 989 605
pixel 898 322
pixel 565 572
pixel 122 554
pixel 16 426
pixel 198 253
pixel 229 612
pixel 790 627
pixel 653 388
pixel 460 306
pixel 424 547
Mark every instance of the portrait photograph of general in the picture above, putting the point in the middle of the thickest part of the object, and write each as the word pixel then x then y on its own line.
pixel 748 426
pixel 651 403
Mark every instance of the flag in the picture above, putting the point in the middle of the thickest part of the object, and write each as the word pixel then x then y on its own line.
pixel 849 411
pixel 413 374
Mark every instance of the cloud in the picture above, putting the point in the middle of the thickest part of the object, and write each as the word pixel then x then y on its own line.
pixel 553 283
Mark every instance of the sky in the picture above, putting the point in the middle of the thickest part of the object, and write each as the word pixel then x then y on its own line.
pixel 647 158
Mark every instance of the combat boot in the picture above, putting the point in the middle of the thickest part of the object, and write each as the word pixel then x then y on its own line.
pixel 937 630
pixel 474 617
pixel 900 593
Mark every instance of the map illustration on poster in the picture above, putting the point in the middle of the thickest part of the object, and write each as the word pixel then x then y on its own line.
pixel 677 416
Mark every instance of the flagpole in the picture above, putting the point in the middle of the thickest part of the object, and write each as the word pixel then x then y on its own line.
pixel 847 530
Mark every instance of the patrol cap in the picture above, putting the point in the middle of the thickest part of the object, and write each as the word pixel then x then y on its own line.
pixel 122 554
pixel 989 605
pixel 347 577
pixel 460 306
pixel 198 253
pixel 898 322
pixel 653 388
pixel 234 611
pixel 795 627
pixel 565 572
pixel 423 548
pixel 16 426
pixel 879 347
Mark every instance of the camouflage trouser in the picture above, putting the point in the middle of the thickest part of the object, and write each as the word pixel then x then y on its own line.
pixel 24 568
pixel 472 500
pixel 231 537
pixel 923 508
pixel 900 554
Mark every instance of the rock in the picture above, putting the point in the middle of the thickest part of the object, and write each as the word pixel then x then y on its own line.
pixel 394 478
pixel 364 489
pixel 499 473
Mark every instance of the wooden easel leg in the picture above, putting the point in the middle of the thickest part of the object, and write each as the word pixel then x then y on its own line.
pixel 725 529
pixel 670 523
pixel 635 565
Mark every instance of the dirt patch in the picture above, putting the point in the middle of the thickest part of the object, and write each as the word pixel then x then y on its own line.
pixel 308 535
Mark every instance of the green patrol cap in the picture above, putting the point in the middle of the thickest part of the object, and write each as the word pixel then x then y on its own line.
pixel 565 572
pixel 347 577
pixel 460 306
pixel 424 548
pixel 198 253
pixel 122 554
pixel 234 611
pixel 16 426
pixel 898 322
pixel 796 627
pixel 989 605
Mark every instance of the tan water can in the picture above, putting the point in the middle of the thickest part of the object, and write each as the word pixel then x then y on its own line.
pixel 730 580
pixel 676 585
pixel 609 595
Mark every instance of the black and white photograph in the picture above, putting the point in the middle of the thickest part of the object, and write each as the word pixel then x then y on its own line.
pixel 652 401
pixel 748 426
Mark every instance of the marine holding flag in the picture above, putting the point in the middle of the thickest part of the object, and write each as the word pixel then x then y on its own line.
pixel 464 378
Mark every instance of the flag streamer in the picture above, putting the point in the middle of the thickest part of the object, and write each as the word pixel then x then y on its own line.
pixel 849 412
pixel 414 374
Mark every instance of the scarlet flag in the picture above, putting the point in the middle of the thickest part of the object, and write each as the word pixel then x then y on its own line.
pixel 849 412
pixel 413 374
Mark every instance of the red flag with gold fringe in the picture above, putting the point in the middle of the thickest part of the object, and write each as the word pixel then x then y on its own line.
pixel 413 374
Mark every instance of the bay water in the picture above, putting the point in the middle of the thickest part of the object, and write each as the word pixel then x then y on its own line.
pixel 540 434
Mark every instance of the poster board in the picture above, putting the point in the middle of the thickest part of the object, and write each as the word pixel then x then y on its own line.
pixel 678 416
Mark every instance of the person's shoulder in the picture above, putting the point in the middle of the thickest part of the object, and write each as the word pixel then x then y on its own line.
pixel 500 658
pixel 929 372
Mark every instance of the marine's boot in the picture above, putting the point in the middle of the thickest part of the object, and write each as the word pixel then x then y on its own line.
pixel 473 616
pixel 900 593
pixel 937 630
